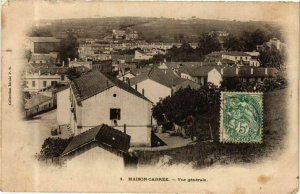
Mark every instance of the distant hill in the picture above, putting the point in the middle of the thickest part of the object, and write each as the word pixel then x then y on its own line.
pixel 156 29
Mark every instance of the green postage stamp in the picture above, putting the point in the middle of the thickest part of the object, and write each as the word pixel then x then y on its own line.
pixel 241 117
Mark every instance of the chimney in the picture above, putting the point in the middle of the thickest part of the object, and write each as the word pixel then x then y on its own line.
pixel 125 128
pixel 266 71
pixel 143 92
pixel 251 71
pixel 107 83
pixel 75 59
pixel 236 71
pixel 63 63
pixel 222 71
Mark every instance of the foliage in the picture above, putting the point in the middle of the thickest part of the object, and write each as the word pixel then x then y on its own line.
pixel 208 43
pixel 128 51
pixel 272 57
pixel 268 84
pixel 53 147
pixel 233 43
pixel 40 32
pixel 183 53
pixel 184 103
pixel 68 48
pixel 73 73
pixel 28 54
pixel 249 40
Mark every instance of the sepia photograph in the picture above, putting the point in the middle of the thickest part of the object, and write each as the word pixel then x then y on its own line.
pixel 143 97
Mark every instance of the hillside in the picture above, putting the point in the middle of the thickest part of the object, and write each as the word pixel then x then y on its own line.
pixel 207 153
pixel 155 29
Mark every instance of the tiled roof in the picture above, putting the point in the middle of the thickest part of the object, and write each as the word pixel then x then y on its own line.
pixel 231 53
pixel 114 138
pixel 227 61
pixel 188 83
pixel 166 78
pixel 243 71
pixel 35 100
pixel 35 57
pixel 246 72
pixel 236 53
pixel 102 134
pixel 43 39
pixel 200 71
pixel 52 69
pixel 95 82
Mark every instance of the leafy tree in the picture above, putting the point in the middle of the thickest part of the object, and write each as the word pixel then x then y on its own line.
pixel 185 103
pixel 208 43
pixel 271 57
pixel 40 32
pixel 183 53
pixel 68 48
pixel 73 73
pixel 251 39
pixel 53 147
pixel 233 43
pixel 28 54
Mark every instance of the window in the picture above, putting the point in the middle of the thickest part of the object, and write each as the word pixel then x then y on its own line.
pixel 44 83
pixel 114 95
pixel 33 83
pixel 115 114
pixel 53 83
pixel 62 77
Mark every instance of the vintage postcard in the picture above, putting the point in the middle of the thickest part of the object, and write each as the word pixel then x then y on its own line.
pixel 154 97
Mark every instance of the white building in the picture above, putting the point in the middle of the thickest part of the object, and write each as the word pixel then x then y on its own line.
pixel 97 99
pixel 142 56
pixel 215 77
pixel 99 145
pixel 37 80
pixel 236 56
pixel 63 106
pixel 158 84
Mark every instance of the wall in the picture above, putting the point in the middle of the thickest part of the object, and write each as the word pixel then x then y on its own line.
pixel 135 113
pixel 214 77
pixel 95 155
pixel 153 90
pixel 138 55
pixel 41 108
pixel 39 81
pixel 236 58
pixel 63 107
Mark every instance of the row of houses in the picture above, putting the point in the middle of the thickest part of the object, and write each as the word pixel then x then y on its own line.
pixel 215 74
pixel 234 58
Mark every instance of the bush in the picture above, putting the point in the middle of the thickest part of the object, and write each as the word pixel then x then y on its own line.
pixel 53 147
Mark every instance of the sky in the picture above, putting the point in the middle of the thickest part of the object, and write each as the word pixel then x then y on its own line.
pixel 245 11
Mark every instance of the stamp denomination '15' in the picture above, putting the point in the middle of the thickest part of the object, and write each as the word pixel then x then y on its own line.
pixel 241 117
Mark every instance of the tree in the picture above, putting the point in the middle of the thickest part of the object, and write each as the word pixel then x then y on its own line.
pixel 251 39
pixel 208 43
pixel 40 32
pixel 232 43
pixel 271 57
pixel 72 73
pixel 185 103
pixel 53 147
pixel 28 54
pixel 68 48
